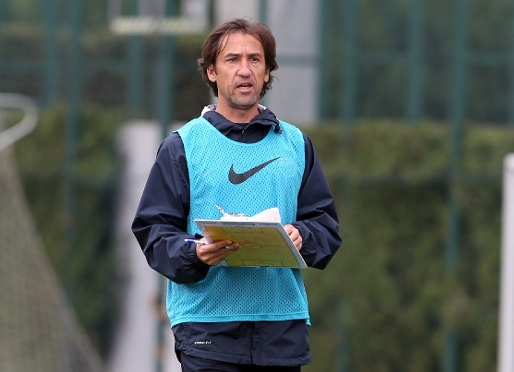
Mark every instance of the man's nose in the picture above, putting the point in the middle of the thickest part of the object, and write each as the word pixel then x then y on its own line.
pixel 244 69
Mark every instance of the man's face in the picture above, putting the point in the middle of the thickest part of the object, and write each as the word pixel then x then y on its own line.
pixel 240 72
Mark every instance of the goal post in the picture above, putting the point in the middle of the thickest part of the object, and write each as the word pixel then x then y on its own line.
pixel 151 19
pixel 506 308
pixel 25 126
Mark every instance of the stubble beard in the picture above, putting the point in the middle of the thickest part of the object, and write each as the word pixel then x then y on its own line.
pixel 245 102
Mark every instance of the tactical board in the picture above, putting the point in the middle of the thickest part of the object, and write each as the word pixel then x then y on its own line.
pixel 263 243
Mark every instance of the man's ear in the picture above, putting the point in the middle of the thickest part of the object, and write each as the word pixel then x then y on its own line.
pixel 266 77
pixel 211 73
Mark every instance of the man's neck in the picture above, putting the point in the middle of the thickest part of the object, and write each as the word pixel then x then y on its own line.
pixel 239 116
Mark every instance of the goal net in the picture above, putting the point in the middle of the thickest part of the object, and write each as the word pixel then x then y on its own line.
pixel 38 330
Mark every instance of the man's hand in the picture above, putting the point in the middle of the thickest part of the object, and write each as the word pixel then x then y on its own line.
pixel 213 254
pixel 294 234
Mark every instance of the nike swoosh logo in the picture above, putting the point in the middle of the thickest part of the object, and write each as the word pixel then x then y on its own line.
pixel 237 178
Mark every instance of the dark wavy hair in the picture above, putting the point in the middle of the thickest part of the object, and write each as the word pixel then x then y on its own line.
pixel 213 45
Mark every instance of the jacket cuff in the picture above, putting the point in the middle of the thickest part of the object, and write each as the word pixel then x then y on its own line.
pixel 193 258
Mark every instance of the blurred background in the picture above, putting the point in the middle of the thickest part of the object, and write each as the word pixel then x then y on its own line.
pixel 410 104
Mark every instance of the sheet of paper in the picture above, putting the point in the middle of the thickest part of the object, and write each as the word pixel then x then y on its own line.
pixel 268 215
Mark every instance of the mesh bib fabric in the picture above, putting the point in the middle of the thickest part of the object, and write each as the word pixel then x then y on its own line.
pixel 242 178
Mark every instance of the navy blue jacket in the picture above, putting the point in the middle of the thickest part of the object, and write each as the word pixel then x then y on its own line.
pixel 160 227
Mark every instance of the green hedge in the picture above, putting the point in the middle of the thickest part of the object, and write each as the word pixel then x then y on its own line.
pixel 384 302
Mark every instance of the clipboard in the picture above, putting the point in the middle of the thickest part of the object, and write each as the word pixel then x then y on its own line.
pixel 263 244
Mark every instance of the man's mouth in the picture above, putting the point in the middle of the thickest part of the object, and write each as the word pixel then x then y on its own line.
pixel 245 86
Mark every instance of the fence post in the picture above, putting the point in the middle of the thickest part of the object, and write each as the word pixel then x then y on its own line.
pixel 51 70
pixel 74 90
pixel 511 69
pixel 457 114
pixel 134 71
pixel 414 91
pixel 350 61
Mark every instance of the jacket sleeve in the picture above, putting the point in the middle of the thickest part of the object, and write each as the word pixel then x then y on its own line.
pixel 317 218
pixel 160 223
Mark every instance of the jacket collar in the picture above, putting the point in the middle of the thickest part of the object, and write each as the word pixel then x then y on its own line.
pixel 265 117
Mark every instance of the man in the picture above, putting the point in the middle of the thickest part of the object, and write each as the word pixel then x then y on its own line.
pixel 237 155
